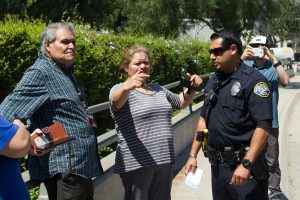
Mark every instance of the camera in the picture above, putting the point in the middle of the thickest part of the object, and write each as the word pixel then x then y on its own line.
pixel 258 52
pixel 185 82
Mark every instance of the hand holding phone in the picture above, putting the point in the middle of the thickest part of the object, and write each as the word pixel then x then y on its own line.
pixel 50 137
pixel 258 52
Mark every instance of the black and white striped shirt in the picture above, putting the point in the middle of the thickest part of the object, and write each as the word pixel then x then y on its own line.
pixel 144 129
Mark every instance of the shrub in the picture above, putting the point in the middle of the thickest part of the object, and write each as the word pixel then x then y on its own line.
pixel 98 57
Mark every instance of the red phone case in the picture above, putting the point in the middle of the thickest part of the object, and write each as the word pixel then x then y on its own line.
pixel 51 137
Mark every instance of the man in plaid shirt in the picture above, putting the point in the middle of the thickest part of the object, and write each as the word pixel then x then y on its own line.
pixel 48 93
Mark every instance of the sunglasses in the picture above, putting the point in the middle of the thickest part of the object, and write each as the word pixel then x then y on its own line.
pixel 218 51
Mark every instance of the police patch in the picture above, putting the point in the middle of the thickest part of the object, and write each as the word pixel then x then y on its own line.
pixel 261 89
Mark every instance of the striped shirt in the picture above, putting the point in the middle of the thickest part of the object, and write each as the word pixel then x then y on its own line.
pixel 46 94
pixel 144 129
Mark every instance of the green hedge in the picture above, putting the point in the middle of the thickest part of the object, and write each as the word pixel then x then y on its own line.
pixel 19 44
pixel 98 57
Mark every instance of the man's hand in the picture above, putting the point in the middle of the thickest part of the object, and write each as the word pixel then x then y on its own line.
pixel 268 55
pixel 37 152
pixel 248 53
pixel 191 165
pixel 240 175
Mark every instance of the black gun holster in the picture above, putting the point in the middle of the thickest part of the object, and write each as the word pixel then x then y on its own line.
pixel 260 169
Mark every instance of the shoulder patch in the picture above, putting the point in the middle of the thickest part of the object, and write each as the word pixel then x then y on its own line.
pixel 261 89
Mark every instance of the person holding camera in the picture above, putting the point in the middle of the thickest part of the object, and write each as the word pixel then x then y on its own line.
pixel 236 117
pixel 268 65
pixel 142 113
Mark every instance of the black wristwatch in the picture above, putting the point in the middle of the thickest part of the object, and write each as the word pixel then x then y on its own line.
pixel 247 163
pixel 277 64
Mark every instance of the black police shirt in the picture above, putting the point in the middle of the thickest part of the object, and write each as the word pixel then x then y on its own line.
pixel 241 100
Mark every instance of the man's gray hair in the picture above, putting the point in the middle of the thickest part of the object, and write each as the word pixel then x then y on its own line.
pixel 49 33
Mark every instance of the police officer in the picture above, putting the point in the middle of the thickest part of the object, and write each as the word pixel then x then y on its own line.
pixel 237 112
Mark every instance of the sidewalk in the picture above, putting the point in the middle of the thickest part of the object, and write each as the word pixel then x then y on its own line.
pixel 289 140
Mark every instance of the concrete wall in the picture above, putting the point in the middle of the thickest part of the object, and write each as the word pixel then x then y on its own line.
pixel 109 185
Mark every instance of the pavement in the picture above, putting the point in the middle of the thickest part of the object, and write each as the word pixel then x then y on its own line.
pixel 289 141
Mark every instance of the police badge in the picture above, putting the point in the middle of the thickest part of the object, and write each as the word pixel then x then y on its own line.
pixel 236 87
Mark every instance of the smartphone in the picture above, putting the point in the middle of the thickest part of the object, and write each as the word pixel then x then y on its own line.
pixel 258 52
pixel 41 141
pixel 44 144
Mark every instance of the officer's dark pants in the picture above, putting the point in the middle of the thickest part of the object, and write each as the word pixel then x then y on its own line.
pixel 272 161
pixel 223 190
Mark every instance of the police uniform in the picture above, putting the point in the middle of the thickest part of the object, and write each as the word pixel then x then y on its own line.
pixel 241 100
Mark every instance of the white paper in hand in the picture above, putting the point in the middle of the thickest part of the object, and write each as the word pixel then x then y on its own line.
pixel 193 180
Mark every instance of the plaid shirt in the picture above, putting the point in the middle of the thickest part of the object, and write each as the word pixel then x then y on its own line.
pixel 47 94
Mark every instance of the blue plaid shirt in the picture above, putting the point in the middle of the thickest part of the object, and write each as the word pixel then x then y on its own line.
pixel 47 94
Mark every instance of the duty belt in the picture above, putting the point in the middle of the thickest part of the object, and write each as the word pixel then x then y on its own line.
pixel 227 155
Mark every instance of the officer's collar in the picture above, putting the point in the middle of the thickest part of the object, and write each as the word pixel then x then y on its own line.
pixel 238 71
pixel 235 74
pixel 221 76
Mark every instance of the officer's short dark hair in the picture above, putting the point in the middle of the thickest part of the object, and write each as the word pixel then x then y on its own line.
pixel 229 37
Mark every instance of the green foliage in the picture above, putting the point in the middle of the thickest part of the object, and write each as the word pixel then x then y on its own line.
pixel 13 7
pixel 286 25
pixel 166 17
pixel 19 44
pixel 24 163
pixel 238 15
pixel 34 193
pixel 107 150
pixel 151 16
pixel 98 57
pixel 100 13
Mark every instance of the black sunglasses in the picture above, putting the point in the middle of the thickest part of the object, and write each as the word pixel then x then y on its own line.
pixel 218 51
